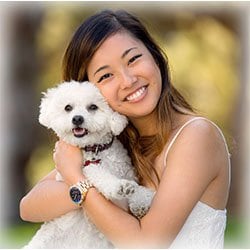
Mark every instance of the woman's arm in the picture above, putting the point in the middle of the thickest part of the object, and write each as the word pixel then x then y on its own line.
pixel 182 185
pixel 47 200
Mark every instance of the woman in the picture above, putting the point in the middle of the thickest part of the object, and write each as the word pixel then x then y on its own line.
pixel 182 156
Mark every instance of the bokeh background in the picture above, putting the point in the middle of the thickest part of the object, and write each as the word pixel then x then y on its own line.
pixel 208 48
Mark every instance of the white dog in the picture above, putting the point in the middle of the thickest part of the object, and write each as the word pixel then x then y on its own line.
pixel 79 115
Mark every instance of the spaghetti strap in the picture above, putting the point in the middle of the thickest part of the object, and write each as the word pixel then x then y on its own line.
pixel 187 123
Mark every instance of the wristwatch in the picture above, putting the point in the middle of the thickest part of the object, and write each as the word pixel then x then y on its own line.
pixel 79 191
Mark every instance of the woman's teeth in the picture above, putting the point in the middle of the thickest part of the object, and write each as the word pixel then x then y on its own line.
pixel 137 94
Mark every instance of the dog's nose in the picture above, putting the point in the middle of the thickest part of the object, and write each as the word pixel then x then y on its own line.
pixel 77 120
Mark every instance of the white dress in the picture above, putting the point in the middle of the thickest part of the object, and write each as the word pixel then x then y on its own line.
pixel 205 226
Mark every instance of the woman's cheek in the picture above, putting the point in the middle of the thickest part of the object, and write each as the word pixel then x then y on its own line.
pixel 110 93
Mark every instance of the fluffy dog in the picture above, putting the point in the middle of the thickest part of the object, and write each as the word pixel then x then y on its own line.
pixel 79 115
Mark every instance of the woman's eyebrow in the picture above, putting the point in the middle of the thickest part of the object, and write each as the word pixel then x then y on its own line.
pixel 101 68
pixel 127 51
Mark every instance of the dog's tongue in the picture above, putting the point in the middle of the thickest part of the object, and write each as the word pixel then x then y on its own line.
pixel 78 132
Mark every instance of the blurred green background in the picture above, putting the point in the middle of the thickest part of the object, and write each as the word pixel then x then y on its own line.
pixel 206 43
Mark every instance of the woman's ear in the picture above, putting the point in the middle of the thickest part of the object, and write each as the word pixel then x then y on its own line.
pixel 118 123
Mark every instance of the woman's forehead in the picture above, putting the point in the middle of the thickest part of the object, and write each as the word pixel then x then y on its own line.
pixel 118 41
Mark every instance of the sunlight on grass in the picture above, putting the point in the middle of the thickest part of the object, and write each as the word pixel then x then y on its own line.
pixel 234 235
pixel 17 236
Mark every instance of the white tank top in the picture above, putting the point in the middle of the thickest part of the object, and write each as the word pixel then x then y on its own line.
pixel 205 226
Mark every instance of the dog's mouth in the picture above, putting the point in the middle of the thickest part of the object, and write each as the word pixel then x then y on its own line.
pixel 79 132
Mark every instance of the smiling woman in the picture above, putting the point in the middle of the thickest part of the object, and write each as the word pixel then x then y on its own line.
pixel 168 144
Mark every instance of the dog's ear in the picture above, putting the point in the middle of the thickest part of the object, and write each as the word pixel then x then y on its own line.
pixel 46 107
pixel 118 123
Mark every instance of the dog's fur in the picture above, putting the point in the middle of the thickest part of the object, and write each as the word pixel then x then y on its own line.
pixel 114 176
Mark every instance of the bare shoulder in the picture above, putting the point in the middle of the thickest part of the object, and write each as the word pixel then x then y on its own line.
pixel 203 128
pixel 201 132
pixel 201 144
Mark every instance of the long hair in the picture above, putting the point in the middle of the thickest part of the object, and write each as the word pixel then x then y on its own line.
pixel 86 41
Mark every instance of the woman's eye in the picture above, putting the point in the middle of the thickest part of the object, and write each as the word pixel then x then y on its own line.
pixel 104 77
pixel 131 60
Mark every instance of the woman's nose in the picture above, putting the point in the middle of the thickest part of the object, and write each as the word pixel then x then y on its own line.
pixel 127 79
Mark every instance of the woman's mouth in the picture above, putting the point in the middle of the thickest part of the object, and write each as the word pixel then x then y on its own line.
pixel 137 95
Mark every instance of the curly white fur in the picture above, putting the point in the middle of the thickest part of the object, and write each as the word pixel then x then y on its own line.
pixel 114 176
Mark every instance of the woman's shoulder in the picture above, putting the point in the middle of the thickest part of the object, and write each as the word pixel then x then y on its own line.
pixel 200 130
pixel 204 131
pixel 200 122
pixel 198 137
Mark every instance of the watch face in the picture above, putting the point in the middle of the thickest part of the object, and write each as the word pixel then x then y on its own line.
pixel 75 194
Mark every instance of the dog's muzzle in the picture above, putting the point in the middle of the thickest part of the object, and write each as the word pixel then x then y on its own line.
pixel 78 131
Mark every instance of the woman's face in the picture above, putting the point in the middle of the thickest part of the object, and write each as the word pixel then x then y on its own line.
pixel 127 75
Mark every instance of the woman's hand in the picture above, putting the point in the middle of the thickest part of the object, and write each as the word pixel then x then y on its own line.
pixel 68 161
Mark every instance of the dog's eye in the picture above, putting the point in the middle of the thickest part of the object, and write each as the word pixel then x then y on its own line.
pixel 68 108
pixel 92 107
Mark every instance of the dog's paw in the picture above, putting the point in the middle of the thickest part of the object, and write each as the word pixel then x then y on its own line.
pixel 138 211
pixel 140 201
pixel 126 188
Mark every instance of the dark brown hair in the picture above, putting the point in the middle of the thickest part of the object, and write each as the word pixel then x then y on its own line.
pixel 86 41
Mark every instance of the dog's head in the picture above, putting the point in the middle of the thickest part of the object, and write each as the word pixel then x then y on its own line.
pixel 79 114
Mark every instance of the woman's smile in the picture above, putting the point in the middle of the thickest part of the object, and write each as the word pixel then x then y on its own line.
pixel 137 95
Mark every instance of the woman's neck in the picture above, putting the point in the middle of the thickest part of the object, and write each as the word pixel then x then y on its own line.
pixel 146 126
